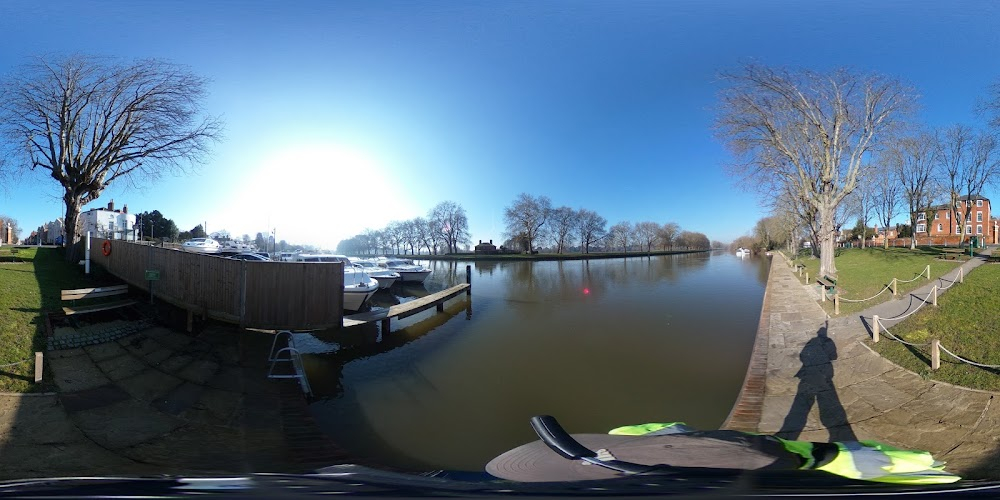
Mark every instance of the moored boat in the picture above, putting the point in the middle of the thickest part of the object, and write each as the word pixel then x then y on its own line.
pixel 385 277
pixel 408 271
pixel 358 285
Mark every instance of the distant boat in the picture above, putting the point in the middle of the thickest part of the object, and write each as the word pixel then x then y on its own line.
pixel 201 245
pixel 385 277
pixel 743 252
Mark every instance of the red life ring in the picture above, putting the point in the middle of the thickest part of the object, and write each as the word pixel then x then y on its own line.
pixel 106 248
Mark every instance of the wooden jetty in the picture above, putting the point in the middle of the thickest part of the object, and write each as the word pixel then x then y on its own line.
pixel 408 308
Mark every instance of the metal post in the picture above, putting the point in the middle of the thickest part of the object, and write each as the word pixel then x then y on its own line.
pixel 86 257
pixel 935 354
pixel 875 328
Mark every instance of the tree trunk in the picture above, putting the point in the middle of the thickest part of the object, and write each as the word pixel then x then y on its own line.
pixel 72 216
pixel 826 241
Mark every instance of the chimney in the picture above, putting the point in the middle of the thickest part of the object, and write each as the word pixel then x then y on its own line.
pixel 111 206
pixel 480 242
pixel 124 209
pixel 491 242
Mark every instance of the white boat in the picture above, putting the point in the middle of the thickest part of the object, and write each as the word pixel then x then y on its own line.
pixel 385 277
pixel 742 252
pixel 358 285
pixel 238 247
pixel 408 271
pixel 201 245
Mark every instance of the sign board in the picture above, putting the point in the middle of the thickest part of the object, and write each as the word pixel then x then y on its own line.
pixel 152 275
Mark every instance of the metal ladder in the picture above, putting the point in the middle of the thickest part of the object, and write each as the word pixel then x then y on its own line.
pixel 292 356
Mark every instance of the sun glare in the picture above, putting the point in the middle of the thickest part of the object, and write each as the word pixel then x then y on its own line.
pixel 316 195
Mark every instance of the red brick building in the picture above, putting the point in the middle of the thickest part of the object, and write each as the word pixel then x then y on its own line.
pixel 937 225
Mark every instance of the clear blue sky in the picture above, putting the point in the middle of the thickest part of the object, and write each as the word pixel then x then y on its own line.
pixel 343 115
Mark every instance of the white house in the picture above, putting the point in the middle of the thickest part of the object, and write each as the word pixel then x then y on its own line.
pixel 109 223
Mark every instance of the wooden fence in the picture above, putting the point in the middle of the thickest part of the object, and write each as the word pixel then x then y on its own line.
pixel 266 295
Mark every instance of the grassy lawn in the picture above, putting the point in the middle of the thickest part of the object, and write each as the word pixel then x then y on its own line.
pixel 862 273
pixel 965 322
pixel 27 290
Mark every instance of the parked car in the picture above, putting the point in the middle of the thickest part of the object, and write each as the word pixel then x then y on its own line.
pixel 249 256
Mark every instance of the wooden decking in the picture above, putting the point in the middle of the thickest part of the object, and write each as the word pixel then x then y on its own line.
pixel 406 309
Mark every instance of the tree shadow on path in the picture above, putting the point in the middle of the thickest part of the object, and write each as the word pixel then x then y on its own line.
pixel 816 388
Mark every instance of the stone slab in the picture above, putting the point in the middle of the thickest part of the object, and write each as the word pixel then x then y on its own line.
pixel 76 373
pixel 124 424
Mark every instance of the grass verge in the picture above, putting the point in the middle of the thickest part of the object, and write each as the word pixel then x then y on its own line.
pixel 29 288
pixel 965 323
pixel 864 272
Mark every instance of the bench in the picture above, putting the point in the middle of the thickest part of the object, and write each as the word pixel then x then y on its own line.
pixel 95 293
pixel 829 284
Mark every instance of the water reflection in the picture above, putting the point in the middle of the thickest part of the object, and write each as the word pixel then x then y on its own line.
pixel 599 343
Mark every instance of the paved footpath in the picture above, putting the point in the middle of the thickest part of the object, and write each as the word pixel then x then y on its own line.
pixel 814 378
pixel 162 402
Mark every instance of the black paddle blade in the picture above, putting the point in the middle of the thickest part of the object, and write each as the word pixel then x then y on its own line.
pixel 553 435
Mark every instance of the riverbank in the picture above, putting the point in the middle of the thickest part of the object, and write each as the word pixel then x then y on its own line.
pixel 546 256
pixel 823 383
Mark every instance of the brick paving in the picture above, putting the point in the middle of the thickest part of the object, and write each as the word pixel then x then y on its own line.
pixel 157 401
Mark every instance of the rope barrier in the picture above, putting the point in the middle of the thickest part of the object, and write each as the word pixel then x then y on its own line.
pixel 909 281
pixel 897 339
pixel 869 298
pixel 973 363
pixel 904 316
pixel 16 363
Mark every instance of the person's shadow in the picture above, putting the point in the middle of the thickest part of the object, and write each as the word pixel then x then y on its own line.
pixel 816 387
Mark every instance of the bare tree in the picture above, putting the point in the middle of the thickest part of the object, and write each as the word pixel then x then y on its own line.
pixel 394 236
pixel 621 234
pixel 564 222
pixel 807 133
pixel 887 199
pixel 451 225
pixel 667 233
pixel 90 122
pixel 526 218
pixel 913 160
pixel 646 234
pixel 861 201
pixel 969 161
pixel 590 227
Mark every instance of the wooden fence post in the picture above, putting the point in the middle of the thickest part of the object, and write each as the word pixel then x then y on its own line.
pixel 807 277
pixel 39 360
pixel 875 328
pixel 935 354
pixel 894 287
pixel 928 271
pixel 961 275
pixel 934 292
pixel 468 279
pixel 836 303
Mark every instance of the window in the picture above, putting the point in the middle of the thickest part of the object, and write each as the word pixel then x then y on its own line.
pixel 968 229
pixel 979 203
pixel 947 215
pixel 921 228
pixel 921 216
pixel 979 216
pixel 937 215
pixel 979 229
pixel 958 229
pixel 968 203
pixel 968 217
pixel 939 228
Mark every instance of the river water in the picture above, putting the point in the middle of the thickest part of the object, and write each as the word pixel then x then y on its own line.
pixel 597 343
